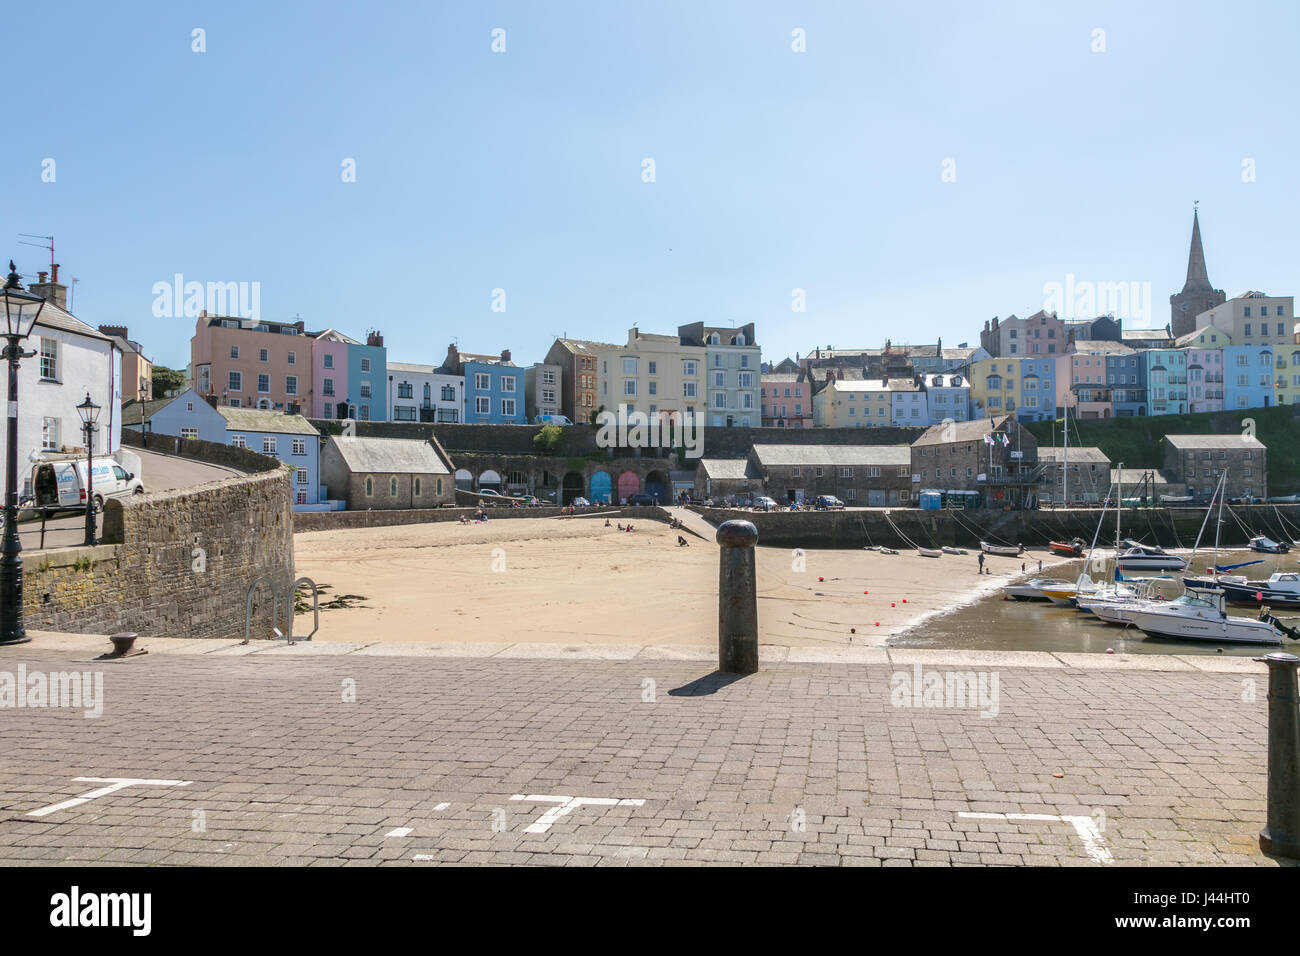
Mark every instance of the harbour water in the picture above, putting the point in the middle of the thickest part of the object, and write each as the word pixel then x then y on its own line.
pixel 995 624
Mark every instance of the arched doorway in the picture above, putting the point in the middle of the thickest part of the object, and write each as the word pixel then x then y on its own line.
pixel 489 481
pixel 464 480
pixel 601 487
pixel 629 484
pixel 572 487
pixel 657 484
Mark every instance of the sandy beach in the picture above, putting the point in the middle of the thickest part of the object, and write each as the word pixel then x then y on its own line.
pixel 574 581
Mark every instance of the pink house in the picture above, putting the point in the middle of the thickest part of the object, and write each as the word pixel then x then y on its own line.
pixel 250 363
pixel 785 400
pixel 329 367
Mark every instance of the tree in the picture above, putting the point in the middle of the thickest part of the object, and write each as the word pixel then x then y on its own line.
pixel 549 439
pixel 166 380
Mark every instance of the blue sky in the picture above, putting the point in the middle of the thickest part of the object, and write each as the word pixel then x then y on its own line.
pixel 522 170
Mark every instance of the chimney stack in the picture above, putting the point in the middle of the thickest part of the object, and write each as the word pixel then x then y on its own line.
pixel 375 339
pixel 505 355
pixel 52 290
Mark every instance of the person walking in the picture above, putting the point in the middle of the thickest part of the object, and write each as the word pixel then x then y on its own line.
pixel 981 571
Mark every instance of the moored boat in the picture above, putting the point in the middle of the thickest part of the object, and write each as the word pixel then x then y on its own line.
pixel 1068 549
pixel 1200 616
pixel 1282 589
pixel 1003 550
pixel 1262 544
pixel 929 553
pixel 1032 590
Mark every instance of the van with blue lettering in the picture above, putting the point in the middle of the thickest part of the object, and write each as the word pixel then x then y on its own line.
pixel 63 484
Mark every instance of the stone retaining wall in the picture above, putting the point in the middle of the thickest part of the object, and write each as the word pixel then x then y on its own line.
pixel 174 564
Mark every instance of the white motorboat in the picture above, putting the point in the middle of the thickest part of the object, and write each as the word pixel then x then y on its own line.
pixel 1141 559
pixel 1032 590
pixel 946 549
pixel 1200 616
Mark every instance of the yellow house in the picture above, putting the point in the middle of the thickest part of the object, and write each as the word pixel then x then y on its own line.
pixel 994 387
pixel 1206 337
pixel 859 403
pixel 1288 373
pixel 654 374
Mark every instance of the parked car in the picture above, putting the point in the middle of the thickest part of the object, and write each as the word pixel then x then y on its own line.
pixel 643 499
pixel 551 420
pixel 828 503
pixel 580 503
pixel 763 503
pixel 62 484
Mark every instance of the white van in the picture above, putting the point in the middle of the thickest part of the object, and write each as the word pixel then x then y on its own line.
pixel 62 484
pixel 551 420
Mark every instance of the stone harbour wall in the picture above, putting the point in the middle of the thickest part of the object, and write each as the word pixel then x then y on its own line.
pixel 173 564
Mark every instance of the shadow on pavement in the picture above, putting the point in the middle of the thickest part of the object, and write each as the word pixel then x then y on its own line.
pixel 709 684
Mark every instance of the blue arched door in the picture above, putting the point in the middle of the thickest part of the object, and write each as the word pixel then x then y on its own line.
pixel 600 487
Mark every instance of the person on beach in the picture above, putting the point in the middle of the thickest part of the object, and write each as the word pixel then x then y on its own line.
pixel 682 542
pixel 1040 564
pixel 981 571
pixel 620 525
pixel 606 522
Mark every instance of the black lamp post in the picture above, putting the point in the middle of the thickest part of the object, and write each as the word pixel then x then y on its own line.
pixel 20 310
pixel 89 413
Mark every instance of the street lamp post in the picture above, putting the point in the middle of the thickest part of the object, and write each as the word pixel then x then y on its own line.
pixel 20 310
pixel 89 413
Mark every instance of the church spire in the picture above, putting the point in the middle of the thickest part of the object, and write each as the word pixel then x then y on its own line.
pixel 1198 279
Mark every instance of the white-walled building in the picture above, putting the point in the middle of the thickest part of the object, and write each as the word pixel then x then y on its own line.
pixel 421 393
pixel 733 364
pixel 908 404
pixel 72 360
pixel 948 396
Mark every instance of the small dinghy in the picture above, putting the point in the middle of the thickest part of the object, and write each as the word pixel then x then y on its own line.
pixel 929 553
pixel 888 551
pixel 1261 544
pixel 949 550
pixel 1003 550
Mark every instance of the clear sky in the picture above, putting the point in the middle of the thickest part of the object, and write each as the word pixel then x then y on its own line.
pixel 774 170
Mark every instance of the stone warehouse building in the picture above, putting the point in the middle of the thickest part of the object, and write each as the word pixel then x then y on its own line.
pixel 723 477
pixel 1088 472
pixel 387 473
pixel 1197 461
pixel 975 456
pixel 871 475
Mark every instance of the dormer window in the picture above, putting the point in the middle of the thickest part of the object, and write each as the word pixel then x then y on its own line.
pixel 715 339
pixel 740 338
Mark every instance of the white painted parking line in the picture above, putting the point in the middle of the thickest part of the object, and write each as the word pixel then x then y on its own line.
pixel 115 784
pixel 1094 844
pixel 566 805
pixel 400 832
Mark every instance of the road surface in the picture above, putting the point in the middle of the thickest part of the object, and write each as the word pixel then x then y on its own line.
pixel 159 472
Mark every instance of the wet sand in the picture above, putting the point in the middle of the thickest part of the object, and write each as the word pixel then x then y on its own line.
pixel 573 581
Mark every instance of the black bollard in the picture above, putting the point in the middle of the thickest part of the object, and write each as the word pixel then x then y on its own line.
pixel 737 598
pixel 1281 834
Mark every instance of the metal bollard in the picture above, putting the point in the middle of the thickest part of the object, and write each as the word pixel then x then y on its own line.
pixel 737 598
pixel 1281 834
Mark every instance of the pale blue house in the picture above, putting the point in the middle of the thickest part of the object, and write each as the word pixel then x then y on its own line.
pixel 290 438
pixel 1247 376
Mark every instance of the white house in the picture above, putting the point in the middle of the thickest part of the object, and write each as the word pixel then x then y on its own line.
pixel 421 393
pixel 72 360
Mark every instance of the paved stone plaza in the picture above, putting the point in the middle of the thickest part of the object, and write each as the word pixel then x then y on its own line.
pixel 334 754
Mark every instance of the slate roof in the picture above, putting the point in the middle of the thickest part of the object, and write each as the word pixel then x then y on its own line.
pixel 1234 440
pixel 261 420
pixel 405 456
pixel 833 455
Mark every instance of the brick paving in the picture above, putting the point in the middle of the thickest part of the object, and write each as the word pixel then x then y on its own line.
pixel 803 763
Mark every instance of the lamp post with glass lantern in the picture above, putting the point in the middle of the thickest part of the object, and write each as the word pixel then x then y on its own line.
pixel 89 413
pixel 18 313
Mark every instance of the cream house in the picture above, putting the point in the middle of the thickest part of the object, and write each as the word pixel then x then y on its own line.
pixel 653 374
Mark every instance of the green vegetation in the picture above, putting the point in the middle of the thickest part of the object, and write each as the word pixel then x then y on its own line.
pixel 549 439
pixel 1139 442
pixel 165 380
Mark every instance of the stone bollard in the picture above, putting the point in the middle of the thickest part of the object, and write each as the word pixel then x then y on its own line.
pixel 1281 834
pixel 737 598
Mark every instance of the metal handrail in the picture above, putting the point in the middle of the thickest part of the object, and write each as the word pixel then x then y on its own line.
pixel 315 610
